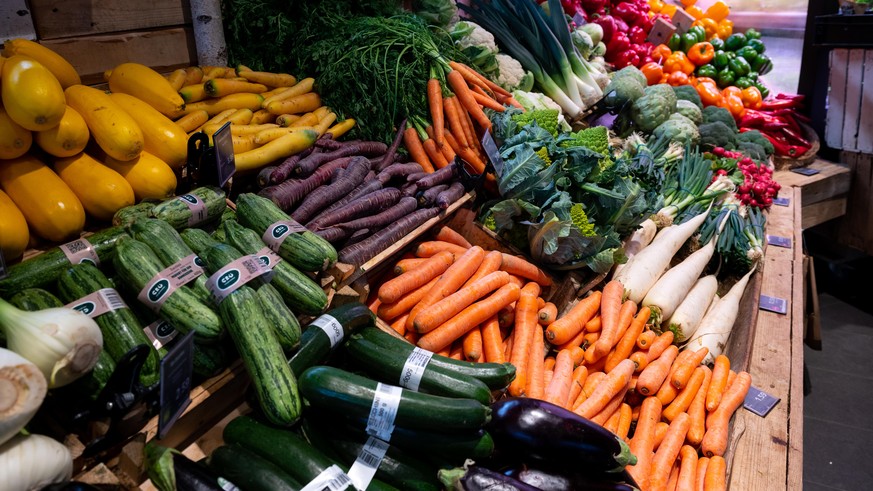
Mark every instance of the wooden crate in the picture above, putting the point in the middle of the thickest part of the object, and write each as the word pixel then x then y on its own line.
pixel 849 119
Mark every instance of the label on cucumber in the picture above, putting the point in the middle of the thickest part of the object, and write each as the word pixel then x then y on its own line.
pixel 380 423
pixel 98 303
pixel 364 468
pixel 414 367
pixel 159 288
pixel 80 251
pixel 331 327
pixel 236 274
pixel 227 485
pixel 268 258
pixel 331 479
pixel 197 207
pixel 160 332
pixel 277 232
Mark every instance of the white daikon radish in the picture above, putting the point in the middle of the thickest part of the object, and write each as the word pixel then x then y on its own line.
pixel 29 462
pixel 638 241
pixel 22 390
pixel 699 301
pixel 716 326
pixel 646 267
pixel 667 293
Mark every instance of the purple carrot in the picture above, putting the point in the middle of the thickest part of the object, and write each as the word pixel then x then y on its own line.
pixel 409 189
pixel 368 186
pixel 325 195
pixel 449 196
pixel 334 144
pixel 388 158
pixel 332 234
pixel 308 165
pixel 289 193
pixel 359 253
pixel 403 207
pixel 439 176
pixel 429 196
pixel 369 204
pixel 415 176
pixel 395 170
pixel 263 177
pixel 284 169
pixel 358 236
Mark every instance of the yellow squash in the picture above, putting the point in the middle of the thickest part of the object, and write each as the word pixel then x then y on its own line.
pixel 61 68
pixel 149 176
pixel 101 190
pixel 115 131
pixel 15 141
pixel 31 94
pixel 148 85
pixel 14 235
pixel 67 138
pixel 164 139
pixel 51 208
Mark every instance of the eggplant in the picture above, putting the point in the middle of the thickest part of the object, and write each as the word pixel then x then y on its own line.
pixel 545 432
pixel 70 486
pixel 476 478
pixel 557 481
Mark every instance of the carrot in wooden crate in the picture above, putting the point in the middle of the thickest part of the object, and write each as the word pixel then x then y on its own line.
pixel 715 478
pixel 687 469
pixel 399 325
pixel 611 407
pixel 522 267
pixel 715 440
pixel 526 327
pixel 720 370
pixel 627 342
pixel 573 322
pixel 700 475
pixel 535 366
pixel 640 359
pixel 473 344
pixel 492 342
pixel 594 378
pixel 577 354
pixel 653 376
pixel 682 401
pixel 453 118
pixel 683 372
pixel 580 375
pixel 645 339
pixel 445 233
pixel 452 279
pixel 549 363
pixel 507 345
pixel 390 311
pixel 429 317
pixel 624 421
pixel 610 310
pixel 731 376
pixel 673 481
pixel 408 264
pixel 697 411
pixel 547 314
pixel 558 390
pixel 457 351
pixel 660 431
pixel 393 289
pixel 435 104
pixel 668 451
pixel 614 383
pixel 433 247
pixel 667 392
pixel 611 424
pixel 643 442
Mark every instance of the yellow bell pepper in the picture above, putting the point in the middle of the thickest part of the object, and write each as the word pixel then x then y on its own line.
pixel 710 26
pixel 695 12
pixel 668 9
pixel 718 11
pixel 725 28
pixel 656 6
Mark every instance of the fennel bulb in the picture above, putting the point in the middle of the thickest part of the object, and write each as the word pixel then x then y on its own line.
pixel 22 390
pixel 30 462
pixel 63 343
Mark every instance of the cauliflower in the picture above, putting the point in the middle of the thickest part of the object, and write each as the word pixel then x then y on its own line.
pixel 650 111
pixel 535 100
pixel 689 110
pixel 467 34
pixel 679 129
pixel 511 75
pixel 546 119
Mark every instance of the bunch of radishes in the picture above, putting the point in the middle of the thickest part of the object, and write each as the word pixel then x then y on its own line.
pixel 758 188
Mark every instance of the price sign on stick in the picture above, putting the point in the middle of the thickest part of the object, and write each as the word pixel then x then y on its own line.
pixel 492 152
pixel 759 402
pixel 175 388
pixel 225 165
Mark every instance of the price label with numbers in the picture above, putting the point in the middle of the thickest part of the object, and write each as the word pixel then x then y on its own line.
pixel 380 423
pixel 779 241
pixel 225 165
pixel 774 304
pixel 175 388
pixel 492 152
pixel 759 402
pixel 781 201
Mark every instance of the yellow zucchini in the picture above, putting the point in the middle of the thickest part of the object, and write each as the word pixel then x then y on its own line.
pixel 31 94
pixel 51 208
pixel 286 120
pixel 15 141
pixel 233 101
pixel 14 234
pixel 244 143
pixel 309 101
pixel 61 68
pixel 341 128
pixel 147 85
pixel 149 176
pixel 325 123
pixel 220 87
pixel 115 131
pixel 270 134
pixel 193 75
pixel 67 138
pixel 238 129
pixel 193 93
pixel 308 119
pixel 272 92
pixel 241 116
pixel 101 190
pixel 163 138
pixel 277 149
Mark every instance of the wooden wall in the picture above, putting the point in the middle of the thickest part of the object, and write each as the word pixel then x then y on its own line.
pixel 855 229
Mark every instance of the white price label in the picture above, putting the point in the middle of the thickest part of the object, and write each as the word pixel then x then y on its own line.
pixel 331 327
pixel 380 423
pixel 331 479
pixel 413 369
pixel 364 468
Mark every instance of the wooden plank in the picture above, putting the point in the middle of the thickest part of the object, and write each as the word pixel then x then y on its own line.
pixel 836 98
pixel 16 20
pixel 856 228
pixel 66 18
pixel 854 82
pixel 795 395
pixel 818 213
pixel 865 128
pixel 832 180
pixel 164 50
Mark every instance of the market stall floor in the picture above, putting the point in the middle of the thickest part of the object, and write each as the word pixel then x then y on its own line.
pixel 837 427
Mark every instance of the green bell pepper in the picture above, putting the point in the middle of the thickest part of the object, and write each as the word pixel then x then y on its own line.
pixel 753 76
pixel 689 39
pixel 743 82
pixel 757 44
pixel 731 55
pixel 725 78
pixel 753 34
pixel 762 64
pixel 720 60
pixel 699 33
pixel 707 70
pixel 748 52
pixel 675 42
pixel 717 43
pixel 762 88
pixel 735 42
pixel 739 66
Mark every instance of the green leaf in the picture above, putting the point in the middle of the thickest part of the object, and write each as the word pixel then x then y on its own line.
pixel 520 165
pixel 507 212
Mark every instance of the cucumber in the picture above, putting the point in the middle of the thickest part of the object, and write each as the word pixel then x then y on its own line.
pixel 34 299
pixel 129 214
pixel 175 211
pixel 300 292
pixel 121 330
pixel 287 450
pixel 44 269
pixel 496 376
pixel 210 359
pixel 227 215
pixel 315 344
pixel 304 250
pixel 339 391
pixel 169 247
pixel 387 365
pixel 136 265
pixel 197 239
pixel 243 315
pixel 250 472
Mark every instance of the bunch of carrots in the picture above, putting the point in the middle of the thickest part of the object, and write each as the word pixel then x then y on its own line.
pixel 458 300
pixel 457 119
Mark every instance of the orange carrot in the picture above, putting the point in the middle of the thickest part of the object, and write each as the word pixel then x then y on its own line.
pixel 660 344
pixel 643 443
pixel 547 314
pixel 700 475
pixel 373 302
pixel 611 407
pixel 445 233
pixel 390 311
pixel 687 469
pixel 506 316
pixel 591 382
pixel 414 146
pixel 666 393
pixel 473 344
pixel 624 421
pixel 731 376
pixel 697 411
pixel 715 440
pixel 645 339
pixel 447 150
pixel 720 371
pixel 535 369
pixel 399 325
pixel 393 289
pixel 408 264
pixel 457 351
pixel 627 341
pixel 660 432
pixel 577 354
pixel 654 375
pixel 526 328
pixel 610 308
pixel 432 247
pixel 549 363
pixel 667 452
pixel 412 337
pixel 489 84
pixel 468 318
pixel 547 377
pixel 453 116
pixel 435 102
pixel 580 375
pixel 470 76
pixel 452 279
pixel 674 477
pixel 598 365
pixel 715 478
pixel 518 265
pixel 490 264
pixel 492 343
pixel 518 280
pixel 465 98
pixel 595 324
pixel 573 322
pixel 467 126
pixel 611 424
pixel 430 316
pixel 575 341
pixel 507 345
pixel 484 100
pixel 682 401
pixel 615 382
pixel 540 304
pixel 558 391
pixel 434 154
pixel 682 373
pixel 590 339
pixel 640 359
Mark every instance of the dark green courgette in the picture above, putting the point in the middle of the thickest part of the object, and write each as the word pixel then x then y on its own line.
pixel 315 344
pixel 176 212
pixel 197 239
pixel 209 360
pixel 249 471
pixel 129 214
pixel 34 299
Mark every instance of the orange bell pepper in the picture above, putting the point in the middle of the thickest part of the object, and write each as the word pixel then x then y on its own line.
pixel 688 3
pixel 677 78
pixel 732 90
pixel 706 80
pixel 734 104
pixel 656 5
pixel 695 11
pixel 710 26
pixel 752 98
pixel 701 53
pixel 653 72
pixel 709 93
pixel 661 52
pixel 725 28
pixel 668 9
pixel 718 11
pixel 678 62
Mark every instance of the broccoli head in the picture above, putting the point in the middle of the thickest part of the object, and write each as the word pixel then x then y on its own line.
pixel 595 138
pixel 752 150
pixel 716 134
pixel 622 90
pixel 580 220
pixel 712 114
pixel 650 111
pixel 688 93
pixel 689 110
pixel 755 136
pixel 546 119
pixel 664 91
pixel 679 129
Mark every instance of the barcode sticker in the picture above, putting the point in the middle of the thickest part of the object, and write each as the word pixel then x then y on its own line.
pixel 277 232
pixel 413 369
pixel 159 288
pixel 236 274
pixel 160 332
pixel 98 303
pixel 331 479
pixel 364 468
pixel 380 423
pixel 331 327
pixel 80 251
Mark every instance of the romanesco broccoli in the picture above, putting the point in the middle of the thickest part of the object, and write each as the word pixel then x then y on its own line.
pixel 595 138
pixel 580 220
pixel 489 223
pixel 543 153
pixel 546 119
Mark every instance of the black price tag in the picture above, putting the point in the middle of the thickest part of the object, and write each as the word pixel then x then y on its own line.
pixel 578 19
pixel 2 266
pixel 805 171
pixel 781 201
pixel 773 304
pixel 225 165
pixel 176 370
pixel 759 402
pixel 492 152
pixel 779 241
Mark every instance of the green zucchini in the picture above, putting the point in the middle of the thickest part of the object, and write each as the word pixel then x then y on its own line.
pixel 31 300
pixel 304 250
pixel 129 214
pixel 228 214
pixel 44 269
pixel 250 472
pixel 315 344
pixel 255 339
pixel 339 391
pixel 387 365
pixel 496 376
pixel 300 292
pixel 175 211
pixel 210 359
pixel 284 448
pixel 121 330
pixel 136 265
pixel 197 239
pixel 169 247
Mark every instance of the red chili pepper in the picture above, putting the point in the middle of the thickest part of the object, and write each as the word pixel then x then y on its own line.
pixel 784 148
pixel 779 104
pixel 800 140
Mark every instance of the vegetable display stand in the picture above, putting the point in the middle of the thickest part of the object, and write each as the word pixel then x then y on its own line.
pixel 825 194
